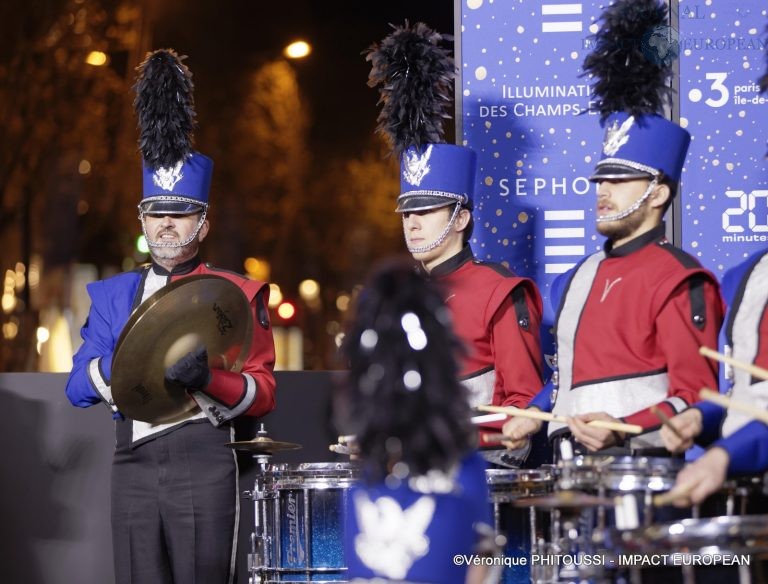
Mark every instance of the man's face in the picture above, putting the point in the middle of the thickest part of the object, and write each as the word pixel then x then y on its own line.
pixel 614 196
pixel 174 229
pixel 421 228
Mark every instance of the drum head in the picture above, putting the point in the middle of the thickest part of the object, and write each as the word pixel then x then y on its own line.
pixel 316 475
pixel 735 535
pixel 506 485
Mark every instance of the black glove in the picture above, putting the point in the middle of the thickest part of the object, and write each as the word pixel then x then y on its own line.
pixel 191 371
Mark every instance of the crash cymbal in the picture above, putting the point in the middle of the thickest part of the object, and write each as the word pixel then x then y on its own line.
pixel 563 500
pixel 263 445
pixel 191 312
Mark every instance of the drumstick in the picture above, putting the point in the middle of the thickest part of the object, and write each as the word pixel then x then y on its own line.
pixel 547 417
pixel 677 492
pixel 753 369
pixel 732 404
pixel 665 420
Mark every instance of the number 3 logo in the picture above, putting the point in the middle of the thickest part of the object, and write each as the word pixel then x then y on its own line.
pixel 718 85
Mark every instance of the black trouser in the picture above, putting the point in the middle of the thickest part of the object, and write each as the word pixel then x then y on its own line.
pixel 174 507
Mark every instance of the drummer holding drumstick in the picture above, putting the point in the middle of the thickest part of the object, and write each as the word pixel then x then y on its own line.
pixel 630 318
pixel 743 449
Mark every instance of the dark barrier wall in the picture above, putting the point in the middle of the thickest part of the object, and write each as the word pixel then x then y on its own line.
pixel 55 477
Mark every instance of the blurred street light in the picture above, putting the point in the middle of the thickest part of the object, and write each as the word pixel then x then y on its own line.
pixel 309 290
pixel 297 50
pixel 96 58
pixel 275 296
pixel 257 269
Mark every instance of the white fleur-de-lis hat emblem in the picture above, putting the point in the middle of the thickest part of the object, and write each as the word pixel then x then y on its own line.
pixel 617 136
pixel 166 178
pixel 416 165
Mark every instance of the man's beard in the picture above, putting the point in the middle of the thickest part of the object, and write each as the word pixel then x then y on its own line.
pixel 175 255
pixel 623 228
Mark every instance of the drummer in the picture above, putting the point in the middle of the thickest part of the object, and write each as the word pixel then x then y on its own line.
pixel 422 497
pixel 744 446
pixel 174 485
pixel 631 317
pixel 496 313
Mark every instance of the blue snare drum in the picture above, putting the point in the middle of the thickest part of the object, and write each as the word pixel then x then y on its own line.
pixel 523 528
pixel 300 518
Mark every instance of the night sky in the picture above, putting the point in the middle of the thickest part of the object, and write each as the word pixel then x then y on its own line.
pixel 225 38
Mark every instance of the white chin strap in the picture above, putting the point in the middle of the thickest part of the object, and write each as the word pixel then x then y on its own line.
pixel 440 239
pixel 171 245
pixel 633 207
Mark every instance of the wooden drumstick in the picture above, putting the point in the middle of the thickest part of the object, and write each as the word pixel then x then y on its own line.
pixel 676 493
pixel 547 417
pixel 732 404
pixel 666 421
pixel 756 371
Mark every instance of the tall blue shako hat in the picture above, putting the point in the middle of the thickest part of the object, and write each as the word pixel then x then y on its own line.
pixel 631 63
pixel 176 179
pixel 415 78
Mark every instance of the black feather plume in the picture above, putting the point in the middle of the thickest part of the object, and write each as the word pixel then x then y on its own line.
pixel 165 108
pixel 632 58
pixel 415 77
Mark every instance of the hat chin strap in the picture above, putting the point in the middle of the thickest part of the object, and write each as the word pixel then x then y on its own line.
pixel 187 241
pixel 441 238
pixel 633 207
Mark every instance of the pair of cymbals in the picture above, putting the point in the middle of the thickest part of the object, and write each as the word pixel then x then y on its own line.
pixel 196 311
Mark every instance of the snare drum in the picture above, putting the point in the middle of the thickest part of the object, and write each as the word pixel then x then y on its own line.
pixel 616 476
pixel 300 513
pixel 718 550
pixel 523 528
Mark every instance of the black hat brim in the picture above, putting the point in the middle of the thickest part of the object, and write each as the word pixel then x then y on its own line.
pixel 617 172
pixel 423 203
pixel 163 207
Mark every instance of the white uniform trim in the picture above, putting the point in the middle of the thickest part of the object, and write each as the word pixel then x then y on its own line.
pixel 100 384
pixel 575 301
pixel 480 388
pixel 217 413
pixel 746 342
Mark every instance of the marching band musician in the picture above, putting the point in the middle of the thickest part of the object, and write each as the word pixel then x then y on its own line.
pixel 496 314
pixel 422 498
pixel 743 449
pixel 630 318
pixel 174 485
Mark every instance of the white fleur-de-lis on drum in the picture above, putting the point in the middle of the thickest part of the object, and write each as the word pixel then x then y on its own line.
pixel 617 136
pixel 166 178
pixel 391 538
pixel 416 166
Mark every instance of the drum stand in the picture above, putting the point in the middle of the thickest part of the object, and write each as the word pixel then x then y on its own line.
pixel 260 539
